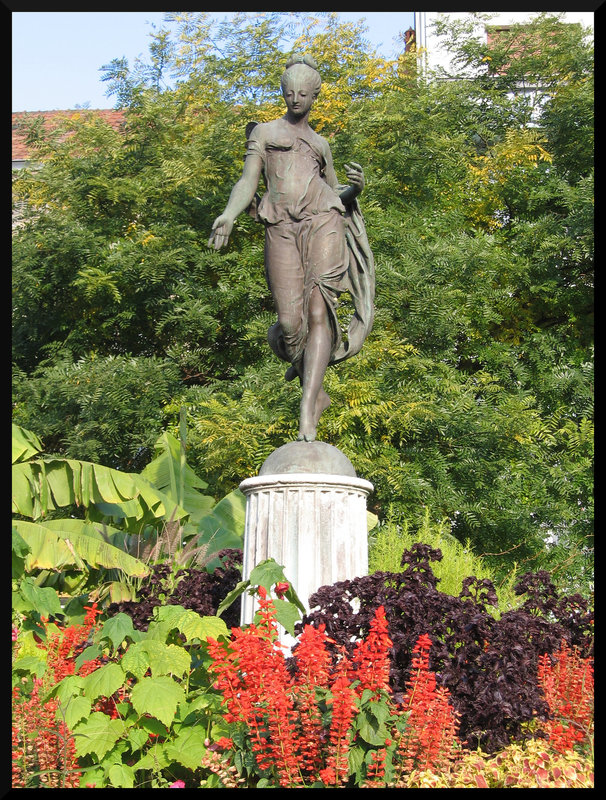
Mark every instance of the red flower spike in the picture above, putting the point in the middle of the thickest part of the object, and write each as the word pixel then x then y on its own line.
pixel 371 657
pixel 429 741
pixel 567 682
pixel 252 676
pixel 343 710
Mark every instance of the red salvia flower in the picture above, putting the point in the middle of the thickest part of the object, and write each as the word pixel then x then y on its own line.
pixel 289 735
pixel 371 657
pixel 430 738
pixel 252 676
pixel 343 709
pixel 376 771
pixel 313 670
pixel 567 682
pixel 42 744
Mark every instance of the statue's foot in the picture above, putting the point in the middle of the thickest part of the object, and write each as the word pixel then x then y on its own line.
pixel 307 423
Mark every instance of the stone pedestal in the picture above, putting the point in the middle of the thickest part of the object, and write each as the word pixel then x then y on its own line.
pixel 307 510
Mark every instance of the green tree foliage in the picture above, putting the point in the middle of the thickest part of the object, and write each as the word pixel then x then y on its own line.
pixel 104 408
pixel 473 395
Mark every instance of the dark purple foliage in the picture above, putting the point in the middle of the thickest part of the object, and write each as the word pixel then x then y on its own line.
pixel 489 665
pixel 192 588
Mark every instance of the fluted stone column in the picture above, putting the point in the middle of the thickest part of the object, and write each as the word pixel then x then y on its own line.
pixel 307 510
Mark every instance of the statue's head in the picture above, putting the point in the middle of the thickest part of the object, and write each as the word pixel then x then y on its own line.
pixel 301 70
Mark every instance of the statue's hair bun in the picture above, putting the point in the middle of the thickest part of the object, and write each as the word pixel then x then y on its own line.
pixel 301 59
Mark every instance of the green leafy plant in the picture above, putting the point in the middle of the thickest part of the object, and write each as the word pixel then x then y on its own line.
pixel 154 687
pixel 266 574
pixel 47 484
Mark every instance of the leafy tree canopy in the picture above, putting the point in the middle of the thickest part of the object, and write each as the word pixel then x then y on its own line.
pixel 473 394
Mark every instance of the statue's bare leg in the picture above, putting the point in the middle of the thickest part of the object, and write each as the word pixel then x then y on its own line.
pixel 317 356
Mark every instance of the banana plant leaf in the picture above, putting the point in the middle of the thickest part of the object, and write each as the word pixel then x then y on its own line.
pixel 225 521
pixel 50 483
pixel 170 474
pixel 25 444
pixel 59 544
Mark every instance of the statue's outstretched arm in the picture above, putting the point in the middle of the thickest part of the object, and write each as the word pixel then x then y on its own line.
pixel 239 200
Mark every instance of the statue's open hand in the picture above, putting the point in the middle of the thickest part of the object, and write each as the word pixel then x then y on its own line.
pixel 355 176
pixel 221 229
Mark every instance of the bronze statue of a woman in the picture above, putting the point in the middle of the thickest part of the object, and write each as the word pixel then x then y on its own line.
pixel 315 241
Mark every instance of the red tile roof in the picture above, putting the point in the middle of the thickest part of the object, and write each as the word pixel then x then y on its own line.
pixel 21 151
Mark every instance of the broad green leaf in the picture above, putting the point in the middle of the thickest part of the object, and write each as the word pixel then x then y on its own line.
pixel 230 597
pixel 25 444
pixel 69 687
pixel 152 725
pixel 97 734
pixel 86 484
pixel 155 759
pixel 127 509
pixel 22 490
pixel 44 600
pixel 224 525
pixel 177 480
pixel 286 615
pixel 33 664
pixel 29 646
pixel 118 628
pixel 168 659
pixel 103 682
pixel 188 748
pixel 159 471
pixel 371 730
pixel 137 738
pixel 122 776
pixel 267 573
pixel 191 624
pixel 47 549
pixel 63 491
pixel 88 654
pixel 135 660
pixel 355 759
pixel 161 658
pixel 158 697
pixel 71 526
pixel 19 546
pixel 74 710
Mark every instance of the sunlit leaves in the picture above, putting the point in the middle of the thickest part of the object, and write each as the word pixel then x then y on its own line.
pixel 473 393
pixel 158 697
pixel 97 734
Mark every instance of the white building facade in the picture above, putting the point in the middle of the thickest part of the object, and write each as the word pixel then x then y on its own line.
pixel 435 56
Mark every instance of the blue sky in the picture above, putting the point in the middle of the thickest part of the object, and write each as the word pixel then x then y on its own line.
pixel 57 55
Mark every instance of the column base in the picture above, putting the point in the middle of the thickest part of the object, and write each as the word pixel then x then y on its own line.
pixel 314 524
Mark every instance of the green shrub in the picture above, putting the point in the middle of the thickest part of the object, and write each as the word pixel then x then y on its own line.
pixel 394 535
